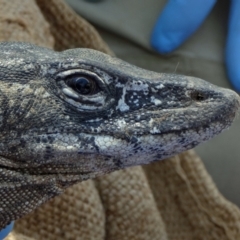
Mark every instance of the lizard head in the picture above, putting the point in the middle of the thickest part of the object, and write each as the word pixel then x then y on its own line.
pixel 83 112
pixel 69 116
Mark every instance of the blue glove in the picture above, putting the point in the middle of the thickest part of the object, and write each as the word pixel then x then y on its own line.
pixel 181 18
pixel 4 232
pixel 233 45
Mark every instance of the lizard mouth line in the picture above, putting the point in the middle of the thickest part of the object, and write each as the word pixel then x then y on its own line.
pixel 210 124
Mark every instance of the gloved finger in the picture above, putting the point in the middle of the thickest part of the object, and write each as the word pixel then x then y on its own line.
pixel 4 232
pixel 233 45
pixel 178 20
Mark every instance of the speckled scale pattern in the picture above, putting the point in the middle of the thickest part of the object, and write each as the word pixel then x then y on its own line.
pixel 52 136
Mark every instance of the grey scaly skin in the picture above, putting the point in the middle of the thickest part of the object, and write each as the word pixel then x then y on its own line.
pixel 70 116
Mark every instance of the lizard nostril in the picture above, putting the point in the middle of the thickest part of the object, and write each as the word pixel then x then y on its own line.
pixel 197 96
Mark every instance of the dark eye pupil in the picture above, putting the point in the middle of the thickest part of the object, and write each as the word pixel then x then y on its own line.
pixel 81 85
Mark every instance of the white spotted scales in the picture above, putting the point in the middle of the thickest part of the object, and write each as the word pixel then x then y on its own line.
pixel 69 116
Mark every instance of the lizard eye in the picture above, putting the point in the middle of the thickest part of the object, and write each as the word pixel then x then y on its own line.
pixel 83 89
pixel 83 85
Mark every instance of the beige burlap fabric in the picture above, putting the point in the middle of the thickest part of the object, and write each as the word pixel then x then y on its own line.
pixel 167 200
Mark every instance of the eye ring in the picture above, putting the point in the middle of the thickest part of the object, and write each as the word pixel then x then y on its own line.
pixel 93 85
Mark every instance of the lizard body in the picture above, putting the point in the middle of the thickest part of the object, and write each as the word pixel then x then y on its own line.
pixel 69 116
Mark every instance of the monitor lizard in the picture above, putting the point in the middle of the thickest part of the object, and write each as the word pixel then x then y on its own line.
pixel 78 114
